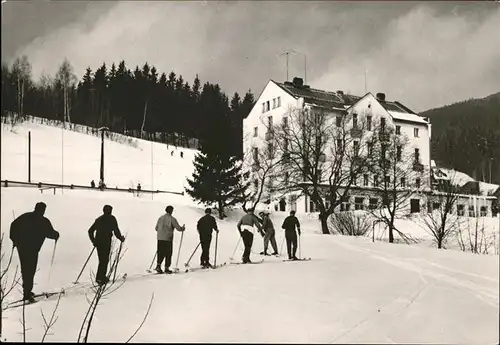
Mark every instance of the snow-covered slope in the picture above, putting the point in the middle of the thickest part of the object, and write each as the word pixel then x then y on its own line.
pixel 351 291
pixel 59 155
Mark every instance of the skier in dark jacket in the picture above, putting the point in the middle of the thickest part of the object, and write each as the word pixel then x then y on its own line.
pixel 100 234
pixel 289 224
pixel 28 232
pixel 268 227
pixel 205 226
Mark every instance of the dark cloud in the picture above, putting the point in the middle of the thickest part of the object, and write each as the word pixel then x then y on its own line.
pixel 422 54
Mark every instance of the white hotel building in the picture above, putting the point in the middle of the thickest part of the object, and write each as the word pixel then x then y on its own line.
pixel 278 99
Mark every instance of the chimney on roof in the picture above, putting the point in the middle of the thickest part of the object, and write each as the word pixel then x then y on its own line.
pixel 298 82
pixel 340 92
pixel 381 96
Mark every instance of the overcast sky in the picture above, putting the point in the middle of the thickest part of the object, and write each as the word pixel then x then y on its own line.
pixel 422 54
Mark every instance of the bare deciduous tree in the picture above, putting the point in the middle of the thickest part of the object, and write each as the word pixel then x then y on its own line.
pixel 322 154
pixel 67 79
pixel 440 221
pixel 398 174
pixel 7 283
pixel 21 70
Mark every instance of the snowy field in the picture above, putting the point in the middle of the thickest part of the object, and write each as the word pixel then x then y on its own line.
pixel 352 291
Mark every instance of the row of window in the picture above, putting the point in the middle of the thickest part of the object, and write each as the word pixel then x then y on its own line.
pixel 369 124
pixel 269 125
pixel 266 106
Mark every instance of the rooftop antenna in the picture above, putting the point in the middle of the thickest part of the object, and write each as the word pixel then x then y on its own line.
pixel 287 53
pixel 366 87
pixel 305 69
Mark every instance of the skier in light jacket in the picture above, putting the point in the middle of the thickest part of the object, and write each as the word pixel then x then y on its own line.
pixel 247 222
pixel 165 236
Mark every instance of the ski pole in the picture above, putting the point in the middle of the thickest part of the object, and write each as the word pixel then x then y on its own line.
pixel 234 251
pixel 300 248
pixel 154 257
pixel 85 264
pixel 194 251
pixel 52 260
pixel 215 256
pixel 117 261
pixel 282 243
pixel 178 254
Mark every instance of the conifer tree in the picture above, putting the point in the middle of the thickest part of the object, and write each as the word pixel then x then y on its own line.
pixel 217 179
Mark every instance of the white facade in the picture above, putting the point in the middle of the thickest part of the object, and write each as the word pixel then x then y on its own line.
pixel 276 102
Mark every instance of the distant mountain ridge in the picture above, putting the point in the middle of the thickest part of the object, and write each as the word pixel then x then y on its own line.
pixel 466 137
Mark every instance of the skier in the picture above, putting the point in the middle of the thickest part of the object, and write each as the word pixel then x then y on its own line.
pixel 248 221
pixel 139 187
pixel 28 232
pixel 92 184
pixel 268 227
pixel 205 226
pixel 100 234
pixel 289 225
pixel 165 236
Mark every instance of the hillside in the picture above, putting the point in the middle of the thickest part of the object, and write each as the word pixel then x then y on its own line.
pixel 466 137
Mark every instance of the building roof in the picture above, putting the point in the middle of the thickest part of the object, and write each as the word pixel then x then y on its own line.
pixel 406 117
pixel 341 100
pixel 321 98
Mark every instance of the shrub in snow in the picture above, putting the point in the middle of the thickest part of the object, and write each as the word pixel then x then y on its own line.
pixel 349 224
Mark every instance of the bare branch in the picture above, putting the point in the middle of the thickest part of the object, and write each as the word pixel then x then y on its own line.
pixel 143 320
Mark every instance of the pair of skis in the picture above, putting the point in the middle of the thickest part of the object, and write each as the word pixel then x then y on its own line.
pixel 36 297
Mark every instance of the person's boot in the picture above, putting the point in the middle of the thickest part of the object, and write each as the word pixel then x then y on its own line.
pixel 158 269
pixel 29 298
pixel 294 258
pixel 275 254
pixel 167 271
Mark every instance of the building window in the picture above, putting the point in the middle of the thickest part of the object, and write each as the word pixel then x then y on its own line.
pixel 365 180
pixel 274 103
pixel 387 180
pixel 270 123
pixel 370 149
pixel 256 154
pixel 417 155
pixel 358 203
pixel 355 120
pixel 256 131
pixel 375 180
pixel 383 149
pixel 398 129
pixel 414 205
pixel 373 203
pixel 436 206
pixel 287 174
pixel 471 211
pixel 484 211
pixel 285 122
pixel 267 106
pixel 319 173
pixel 345 206
pixel 415 132
pixel 399 152
pixel 338 121
pixel 369 123
pixel 403 182
pixel 339 144
pixel 460 210
pixel 382 125
pixel 417 182
pixel 278 102
pixel 270 151
pixel 285 145
pixel 264 107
